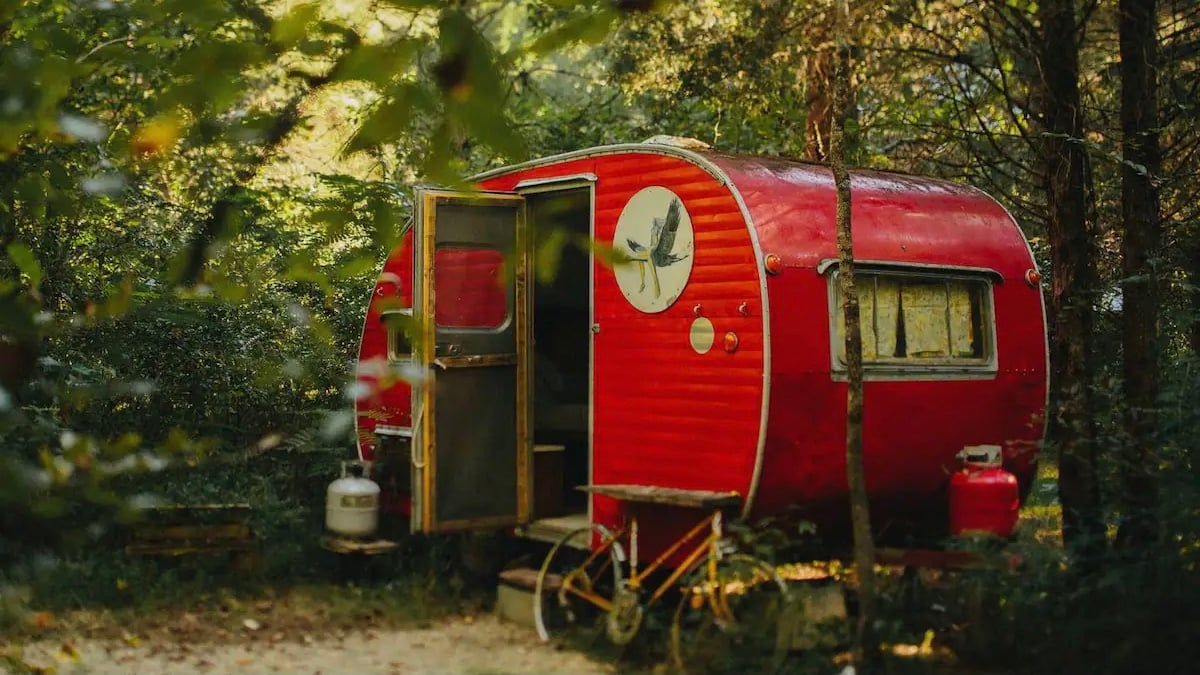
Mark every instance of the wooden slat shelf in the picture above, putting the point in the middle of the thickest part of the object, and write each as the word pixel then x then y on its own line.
pixel 183 529
pixel 654 494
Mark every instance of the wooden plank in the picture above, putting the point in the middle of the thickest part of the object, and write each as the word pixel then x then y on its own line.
pixel 359 546
pixel 654 494
pixel 183 529
pixel 175 532
pixel 526 577
pixel 184 548
pixel 185 510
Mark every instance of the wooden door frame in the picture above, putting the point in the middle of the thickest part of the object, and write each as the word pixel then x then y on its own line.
pixel 424 518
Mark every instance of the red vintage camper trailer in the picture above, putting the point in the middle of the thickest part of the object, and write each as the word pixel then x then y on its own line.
pixel 710 358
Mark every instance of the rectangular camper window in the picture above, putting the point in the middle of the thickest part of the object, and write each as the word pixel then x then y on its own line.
pixel 918 320
pixel 400 331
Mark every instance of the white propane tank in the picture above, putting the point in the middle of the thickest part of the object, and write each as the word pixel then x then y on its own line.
pixel 352 503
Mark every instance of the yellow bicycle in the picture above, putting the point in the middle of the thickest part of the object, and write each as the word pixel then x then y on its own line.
pixel 731 604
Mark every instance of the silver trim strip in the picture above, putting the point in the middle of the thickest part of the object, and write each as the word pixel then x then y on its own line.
pixel 551 182
pixel 388 430
pixel 760 450
pixel 598 151
pixel 1041 298
pixel 591 350
pixel 892 264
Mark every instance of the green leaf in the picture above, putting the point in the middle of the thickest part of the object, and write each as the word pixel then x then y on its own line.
pixel 356 267
pixel 585 28
pixel 293 27
pixel 389 120
pixel 379 64
pixel 23 258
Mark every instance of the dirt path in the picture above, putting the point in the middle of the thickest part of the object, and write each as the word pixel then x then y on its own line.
pixel 456 645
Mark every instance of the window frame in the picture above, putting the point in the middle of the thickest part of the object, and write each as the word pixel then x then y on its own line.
pixel 941 369
pixel 394 355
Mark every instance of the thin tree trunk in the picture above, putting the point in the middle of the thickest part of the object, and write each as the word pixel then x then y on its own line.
pixel 1194 280
pixel 867 642
pixel 1073 280
pixel 818 121
pixel 1140 214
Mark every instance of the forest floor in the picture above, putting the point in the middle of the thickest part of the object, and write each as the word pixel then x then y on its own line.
pixel 324 629
pixel 289 634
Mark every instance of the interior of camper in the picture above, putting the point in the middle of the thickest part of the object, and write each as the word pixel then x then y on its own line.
pixel 559 222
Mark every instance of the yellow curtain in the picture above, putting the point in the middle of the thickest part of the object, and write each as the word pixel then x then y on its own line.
pixel 925 331
pixel 887 315
pixel 962 329
pixel 866 310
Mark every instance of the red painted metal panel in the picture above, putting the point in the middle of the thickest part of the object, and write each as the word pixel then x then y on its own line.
pixel 383 396
pixel 663 413
pixel 666 414
pixel 469 287
pixel 912 429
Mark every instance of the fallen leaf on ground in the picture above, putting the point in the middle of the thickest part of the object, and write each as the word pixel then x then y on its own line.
pixel 251 624
pixel 69 650
pixel 42 620
pixel 245 661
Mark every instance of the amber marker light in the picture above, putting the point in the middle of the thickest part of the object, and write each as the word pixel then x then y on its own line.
pixel 773 264
pixel 731 342
pixel 1033 278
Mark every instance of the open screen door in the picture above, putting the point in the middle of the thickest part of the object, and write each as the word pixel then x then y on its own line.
pixel 471 460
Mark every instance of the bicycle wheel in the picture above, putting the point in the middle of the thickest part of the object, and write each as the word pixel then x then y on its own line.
pixel 733 617
pixel 574 588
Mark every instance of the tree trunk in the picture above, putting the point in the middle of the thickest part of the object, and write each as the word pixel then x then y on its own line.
pixel 867 652
pixel 1194 280
pixel 818 122
pixel 1140 215
pixel 1071 425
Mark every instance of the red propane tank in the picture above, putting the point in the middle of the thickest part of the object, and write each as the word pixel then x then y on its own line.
pixel 984 498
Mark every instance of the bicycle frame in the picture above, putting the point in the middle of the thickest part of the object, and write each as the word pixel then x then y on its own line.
pixel 708 546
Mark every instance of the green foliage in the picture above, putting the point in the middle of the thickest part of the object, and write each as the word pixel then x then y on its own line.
pixel 195 197
pixel 182 293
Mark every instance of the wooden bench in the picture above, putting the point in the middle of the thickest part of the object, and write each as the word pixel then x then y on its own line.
pixel 179 530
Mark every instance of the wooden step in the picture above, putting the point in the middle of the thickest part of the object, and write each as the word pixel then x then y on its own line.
pixel 526 578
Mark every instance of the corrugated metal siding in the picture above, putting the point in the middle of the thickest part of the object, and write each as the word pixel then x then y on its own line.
pixel 383 398
pixel 912 429
pixel 663 414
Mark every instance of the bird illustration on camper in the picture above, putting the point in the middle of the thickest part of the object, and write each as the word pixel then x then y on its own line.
pixel 659 252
